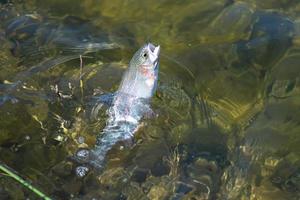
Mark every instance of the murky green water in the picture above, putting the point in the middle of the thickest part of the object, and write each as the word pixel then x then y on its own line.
pixel 227 105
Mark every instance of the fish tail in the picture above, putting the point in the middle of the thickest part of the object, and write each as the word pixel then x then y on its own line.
pixel 111 135
pixel 99 154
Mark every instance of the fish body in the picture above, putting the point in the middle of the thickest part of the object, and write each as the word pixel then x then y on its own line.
pixel 130 103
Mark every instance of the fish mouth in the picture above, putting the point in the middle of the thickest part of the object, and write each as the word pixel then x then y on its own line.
pixel 154 53
pixel 154 49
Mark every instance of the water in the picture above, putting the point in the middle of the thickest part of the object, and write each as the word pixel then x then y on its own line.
pixel 227 105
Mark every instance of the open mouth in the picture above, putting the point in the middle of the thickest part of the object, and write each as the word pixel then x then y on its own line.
pixel 153 49
pixel 154 53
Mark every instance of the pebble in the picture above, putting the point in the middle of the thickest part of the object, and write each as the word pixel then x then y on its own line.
pixel 81 171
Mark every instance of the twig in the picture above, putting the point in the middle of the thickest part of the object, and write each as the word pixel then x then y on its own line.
pixel 81 82
pixel 23 182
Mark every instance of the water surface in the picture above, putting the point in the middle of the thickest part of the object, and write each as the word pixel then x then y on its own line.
pixel 227 104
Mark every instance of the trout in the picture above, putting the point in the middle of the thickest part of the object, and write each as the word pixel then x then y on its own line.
pixel 130 103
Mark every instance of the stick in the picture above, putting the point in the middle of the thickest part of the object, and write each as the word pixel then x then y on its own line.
pixel 81 82
pixel 23 182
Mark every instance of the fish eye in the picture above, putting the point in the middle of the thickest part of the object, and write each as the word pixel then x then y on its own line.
pixel 145 55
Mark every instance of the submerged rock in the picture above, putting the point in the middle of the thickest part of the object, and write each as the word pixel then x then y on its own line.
pixel 270 38
pixel 81 171
pixel 82 155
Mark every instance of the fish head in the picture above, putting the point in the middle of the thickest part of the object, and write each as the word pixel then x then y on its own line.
pixel 141 77
pixel 146 59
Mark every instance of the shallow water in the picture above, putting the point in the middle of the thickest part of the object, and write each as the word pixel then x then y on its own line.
pixel 227 111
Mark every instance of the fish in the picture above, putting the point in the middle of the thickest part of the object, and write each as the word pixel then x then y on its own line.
pixel 130 103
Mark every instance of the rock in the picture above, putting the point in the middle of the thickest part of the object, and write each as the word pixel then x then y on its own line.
pixel 270 38
pixel 81 171
pixel 157 192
